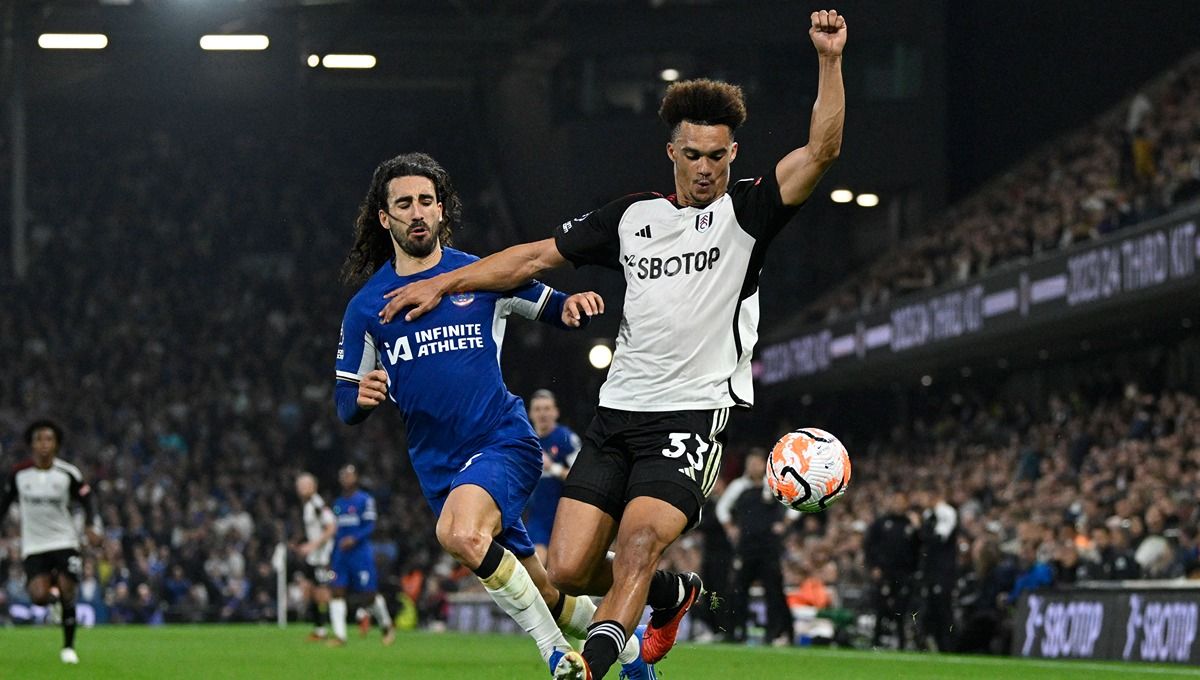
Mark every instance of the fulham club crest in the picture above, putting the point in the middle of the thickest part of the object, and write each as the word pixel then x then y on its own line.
pixel 703 222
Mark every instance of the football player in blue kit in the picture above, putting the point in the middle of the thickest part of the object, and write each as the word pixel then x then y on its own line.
pixel 353 560
pixel 559 445
pixel 476 456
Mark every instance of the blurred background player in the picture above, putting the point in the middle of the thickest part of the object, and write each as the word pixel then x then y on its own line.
pixel 691 262
pixel 320 525
pixel 353 561
pixel 560 445
pixel 45 486
pixel 755 523
pixel 476 456
pixel 890 552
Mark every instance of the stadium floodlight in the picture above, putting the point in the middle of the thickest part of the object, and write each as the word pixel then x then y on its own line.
pixel 867 200
pixel 314 61
pixel 600 356
pixel 841 195
pixel 669 74
pixel 72 41
pixel 348 61
pixel 234 42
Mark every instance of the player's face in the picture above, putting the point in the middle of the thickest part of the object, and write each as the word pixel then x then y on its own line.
pixel 304 488
pixel 701 154
pixel 543 413
pixel 348 478
pixel 45 444
pixel 413 215
pixel 756 467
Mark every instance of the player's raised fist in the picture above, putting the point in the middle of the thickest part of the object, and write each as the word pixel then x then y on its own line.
pixel 372 389
pixel 828 32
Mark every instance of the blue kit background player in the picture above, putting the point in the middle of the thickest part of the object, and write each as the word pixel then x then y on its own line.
pixel 353 560
pixel 476 456
pixel 559 446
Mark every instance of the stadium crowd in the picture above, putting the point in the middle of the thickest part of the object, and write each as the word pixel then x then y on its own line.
pixel 1131 164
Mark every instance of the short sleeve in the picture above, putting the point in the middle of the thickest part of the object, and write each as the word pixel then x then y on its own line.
pixel 593 238
pixel 759 206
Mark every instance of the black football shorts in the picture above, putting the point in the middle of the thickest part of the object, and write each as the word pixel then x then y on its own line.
pixel 674 456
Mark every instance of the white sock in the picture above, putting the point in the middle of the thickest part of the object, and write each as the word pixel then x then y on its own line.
pixel 512 588
pixel 337 618
pixel 381 612
pixel 631 652
pixel 576 616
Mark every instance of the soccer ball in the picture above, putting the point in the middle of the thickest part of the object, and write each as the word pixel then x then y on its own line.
pixel 808 470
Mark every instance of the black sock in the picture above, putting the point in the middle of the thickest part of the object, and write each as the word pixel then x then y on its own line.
pixel 322 617
pixel 491 561
pixel 605 641
pixel 557 609
pixel 68 624
pixel 665 589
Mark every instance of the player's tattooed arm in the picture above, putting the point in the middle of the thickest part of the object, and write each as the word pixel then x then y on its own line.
pixel 800 170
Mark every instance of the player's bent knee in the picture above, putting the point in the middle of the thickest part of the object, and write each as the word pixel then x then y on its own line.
pixel 468 546
pixel 567 580
pixel 638 550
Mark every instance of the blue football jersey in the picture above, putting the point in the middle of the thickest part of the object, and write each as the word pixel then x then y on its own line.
pixel 443 368
pixel 356 517
pixel 561 445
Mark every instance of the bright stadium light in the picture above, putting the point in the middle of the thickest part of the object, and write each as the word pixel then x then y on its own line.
pixel 867 200
pixel 669 74
pixel 841 196
pixel 348 61
pixel 600 356
pixel 72 41
pixel 314 61
pixel 234 42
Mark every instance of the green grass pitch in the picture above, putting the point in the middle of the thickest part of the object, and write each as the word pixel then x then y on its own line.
pixel 268 653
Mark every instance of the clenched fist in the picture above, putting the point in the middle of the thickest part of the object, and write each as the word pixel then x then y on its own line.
pixel 372 389
pixel 828 32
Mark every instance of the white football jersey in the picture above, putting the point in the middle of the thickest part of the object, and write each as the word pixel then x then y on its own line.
pixel 317 516
pixel 690 320
pixel 45 505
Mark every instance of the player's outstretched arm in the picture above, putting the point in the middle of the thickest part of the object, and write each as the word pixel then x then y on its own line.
pixel 501 271
pixel 800 170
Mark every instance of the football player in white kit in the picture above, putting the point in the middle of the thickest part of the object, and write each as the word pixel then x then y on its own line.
pixel 319 527
pixel 44 486
pixel 691 262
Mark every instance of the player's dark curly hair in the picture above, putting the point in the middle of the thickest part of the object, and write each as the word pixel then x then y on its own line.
pixel 372 243
pixel 704 102
pixel 43 425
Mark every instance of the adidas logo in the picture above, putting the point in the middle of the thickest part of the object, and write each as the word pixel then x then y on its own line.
pixel 644 232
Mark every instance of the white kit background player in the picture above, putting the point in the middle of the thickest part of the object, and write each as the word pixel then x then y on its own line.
pixel 44 487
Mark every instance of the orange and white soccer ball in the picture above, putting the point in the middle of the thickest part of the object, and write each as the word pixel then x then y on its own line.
pixel 808 470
